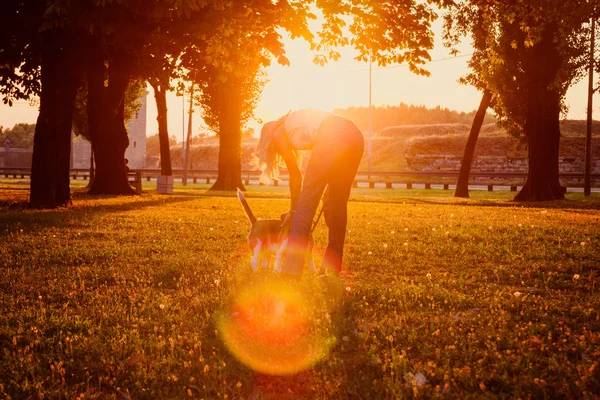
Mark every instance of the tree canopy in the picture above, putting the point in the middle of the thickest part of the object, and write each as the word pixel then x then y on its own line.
pixel 221 45
pixel 515 41
pixel 20 24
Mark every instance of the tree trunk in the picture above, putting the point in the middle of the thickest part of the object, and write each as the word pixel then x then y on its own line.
pixel 230 141
pixel 543 139
pixel 542 123
pixel 107 124
pixel 160 96
pixel 60 77
pixel 462 186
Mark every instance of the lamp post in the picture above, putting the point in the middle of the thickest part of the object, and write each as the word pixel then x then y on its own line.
pixel 588 137
pixel 188 141
pixel 370 117
pixel 182 126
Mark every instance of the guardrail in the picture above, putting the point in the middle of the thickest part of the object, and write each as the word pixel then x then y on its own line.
pixel 388 178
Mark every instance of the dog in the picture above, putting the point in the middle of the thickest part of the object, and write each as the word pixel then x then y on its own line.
pixel 270 236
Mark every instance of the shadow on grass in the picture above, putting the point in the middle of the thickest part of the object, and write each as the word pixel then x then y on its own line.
pixel 79 214
pixel 574 201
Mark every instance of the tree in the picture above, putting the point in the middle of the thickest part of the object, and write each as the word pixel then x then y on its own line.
pixel 117 33
pixel 80 118
pixel 161 87
pixel 462 186
pixel 227 106
pixel 227 67
pixel 61 72
pixel 106 120
pixel 105 39
pixel 49 48
pixel 175 23
pixel 527 54
pixel 125 43
pixel 160 60
pixel 38 55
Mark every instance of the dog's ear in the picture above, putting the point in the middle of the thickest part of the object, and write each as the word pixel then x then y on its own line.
pixel 284 228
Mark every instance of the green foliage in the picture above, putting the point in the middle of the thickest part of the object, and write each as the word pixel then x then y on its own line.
pixel 389 31
pixel 19 49
pixel 520 49
pixel 21 135
pixel 119 297
pixel 173 25
pixel 227 63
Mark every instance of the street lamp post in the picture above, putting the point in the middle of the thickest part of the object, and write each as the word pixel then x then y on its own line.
pixel 188 141
pixel 182 127
pixel 370 117
pixel 588 137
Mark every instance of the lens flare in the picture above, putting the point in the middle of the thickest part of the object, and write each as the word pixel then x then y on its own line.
pixel 271 329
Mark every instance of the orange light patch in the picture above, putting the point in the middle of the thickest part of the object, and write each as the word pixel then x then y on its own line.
pixel 269 328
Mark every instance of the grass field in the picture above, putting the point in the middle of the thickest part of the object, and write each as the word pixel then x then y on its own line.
pixel 130 298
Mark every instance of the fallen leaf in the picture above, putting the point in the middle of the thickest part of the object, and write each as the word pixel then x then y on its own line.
pixel 133 360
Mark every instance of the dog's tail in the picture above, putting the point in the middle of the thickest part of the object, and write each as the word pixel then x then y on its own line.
pixel 247 209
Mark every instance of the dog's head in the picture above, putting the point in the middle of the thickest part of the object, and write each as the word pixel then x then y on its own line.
pixel 286 223
pixel 286 219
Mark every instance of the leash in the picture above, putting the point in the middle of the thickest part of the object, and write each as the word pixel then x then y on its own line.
pixel 316 222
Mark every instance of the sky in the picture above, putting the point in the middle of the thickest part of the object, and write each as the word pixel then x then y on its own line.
pixel 339 84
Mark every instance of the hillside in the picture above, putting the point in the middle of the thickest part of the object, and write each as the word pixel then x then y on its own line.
pixel 392 146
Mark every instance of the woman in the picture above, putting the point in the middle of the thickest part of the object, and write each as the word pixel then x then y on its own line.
pixel 337 147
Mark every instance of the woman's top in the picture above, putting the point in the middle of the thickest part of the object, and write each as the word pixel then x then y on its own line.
pixel 301 127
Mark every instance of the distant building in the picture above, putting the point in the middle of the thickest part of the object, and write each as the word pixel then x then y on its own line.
pixel 135 153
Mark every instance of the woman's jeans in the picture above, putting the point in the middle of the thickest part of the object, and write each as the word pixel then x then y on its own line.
pixel 333 164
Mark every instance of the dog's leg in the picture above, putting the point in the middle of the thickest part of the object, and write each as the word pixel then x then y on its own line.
pixel 311 259
pixel 311 263
pixel 279 255
pixel 266 260
pixel 255 255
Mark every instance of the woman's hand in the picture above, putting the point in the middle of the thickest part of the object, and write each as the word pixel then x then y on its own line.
pixel 286 218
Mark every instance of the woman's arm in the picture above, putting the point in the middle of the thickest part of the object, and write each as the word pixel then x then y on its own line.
pixel 283 147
